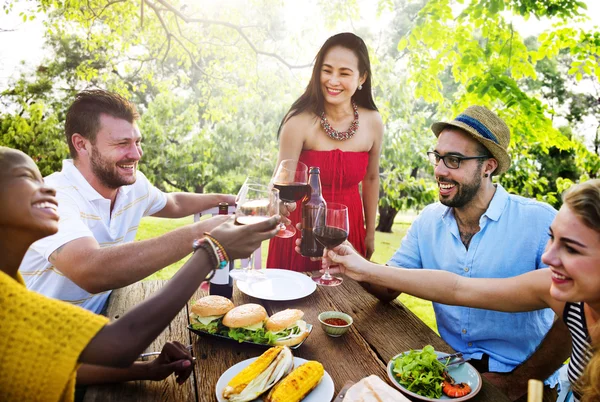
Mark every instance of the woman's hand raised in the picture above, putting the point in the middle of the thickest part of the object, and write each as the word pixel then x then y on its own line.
pixel 239 241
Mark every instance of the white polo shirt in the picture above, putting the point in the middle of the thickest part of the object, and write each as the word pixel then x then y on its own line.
pixel 85 213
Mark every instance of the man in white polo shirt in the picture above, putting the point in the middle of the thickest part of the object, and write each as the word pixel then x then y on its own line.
pixel 102 198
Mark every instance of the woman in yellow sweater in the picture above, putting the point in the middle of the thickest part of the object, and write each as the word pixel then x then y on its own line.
pixel 43 341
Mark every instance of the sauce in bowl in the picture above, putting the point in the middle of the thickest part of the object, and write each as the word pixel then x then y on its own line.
pixel 338 322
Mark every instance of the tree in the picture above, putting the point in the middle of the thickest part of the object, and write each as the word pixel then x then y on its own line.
pixel 213 132
pixel 490 62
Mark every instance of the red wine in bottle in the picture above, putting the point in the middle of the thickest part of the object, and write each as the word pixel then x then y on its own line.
pixel 221 283
pixel 330 236
pixel 310 247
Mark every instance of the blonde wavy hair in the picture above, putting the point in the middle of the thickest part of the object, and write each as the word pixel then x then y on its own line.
pixel 584 200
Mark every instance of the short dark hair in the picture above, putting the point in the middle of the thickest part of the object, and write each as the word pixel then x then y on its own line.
pixel 312 99
pixel 83 116
pixel 483 151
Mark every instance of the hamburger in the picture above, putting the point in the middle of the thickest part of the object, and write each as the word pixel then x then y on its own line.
pixel 246 323
pixel 260 375
pixel 208 311
pixel 287 327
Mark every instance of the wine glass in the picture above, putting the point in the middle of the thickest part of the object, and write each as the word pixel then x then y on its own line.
pixel 256 204
pixel 250 181
pixel 330 229
pixel 291 179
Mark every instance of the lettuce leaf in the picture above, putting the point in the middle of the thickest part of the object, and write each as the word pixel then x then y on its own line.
pixel 420 372
pixel 212 327
pixel 258 336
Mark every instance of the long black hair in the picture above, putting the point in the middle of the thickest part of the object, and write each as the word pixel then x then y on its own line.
pixel 312 99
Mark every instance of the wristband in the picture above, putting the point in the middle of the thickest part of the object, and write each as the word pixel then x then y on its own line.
pixel 212 256
pixel 222 254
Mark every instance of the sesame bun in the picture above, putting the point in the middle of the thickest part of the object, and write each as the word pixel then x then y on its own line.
pixel 283 319
pixel 244 315
pixel 212 305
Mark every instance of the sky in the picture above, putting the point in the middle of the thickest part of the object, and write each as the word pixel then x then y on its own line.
pixel 22 42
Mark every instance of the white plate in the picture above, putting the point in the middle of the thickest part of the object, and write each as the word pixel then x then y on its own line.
pixel 323 392
pixel 461 373
pixel 280 285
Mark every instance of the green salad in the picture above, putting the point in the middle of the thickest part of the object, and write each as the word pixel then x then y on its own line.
pixel 420 372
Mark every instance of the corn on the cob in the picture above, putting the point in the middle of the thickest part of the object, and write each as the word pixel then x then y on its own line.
pixel 241 380
pixel 298 384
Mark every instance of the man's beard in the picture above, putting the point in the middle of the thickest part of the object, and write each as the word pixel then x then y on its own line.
pixel 106 171
pixel 466 192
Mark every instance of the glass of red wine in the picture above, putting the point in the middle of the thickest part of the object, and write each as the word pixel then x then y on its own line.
pixel 255 204
pixel 330 229
pixel 291 179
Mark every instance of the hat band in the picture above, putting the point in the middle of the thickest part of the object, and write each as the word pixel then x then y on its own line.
pixel 476 124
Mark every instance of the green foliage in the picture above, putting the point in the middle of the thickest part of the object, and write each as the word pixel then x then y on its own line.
pixel 491 65
pixel 36 134
pixel 206 122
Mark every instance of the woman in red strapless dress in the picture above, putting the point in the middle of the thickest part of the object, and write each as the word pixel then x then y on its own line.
pixel 337 97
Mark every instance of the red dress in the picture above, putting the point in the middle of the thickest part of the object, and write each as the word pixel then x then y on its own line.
pixel 341 172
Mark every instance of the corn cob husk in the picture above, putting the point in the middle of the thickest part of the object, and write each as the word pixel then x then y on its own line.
pixel 298 383
pixel 243 378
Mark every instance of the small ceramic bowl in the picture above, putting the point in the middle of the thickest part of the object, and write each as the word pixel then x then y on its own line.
pixel 335 330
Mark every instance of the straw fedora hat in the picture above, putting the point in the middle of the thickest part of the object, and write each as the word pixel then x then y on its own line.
pixel 487 128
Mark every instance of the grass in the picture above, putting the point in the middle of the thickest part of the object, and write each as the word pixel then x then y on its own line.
pixel 385 246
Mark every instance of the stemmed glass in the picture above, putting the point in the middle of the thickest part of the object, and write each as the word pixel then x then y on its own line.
pixel 291 178
pixel 250 181
pixel 255 204
pixel 330 229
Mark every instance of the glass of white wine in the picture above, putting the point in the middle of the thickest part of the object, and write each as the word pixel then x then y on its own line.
pixel 256 203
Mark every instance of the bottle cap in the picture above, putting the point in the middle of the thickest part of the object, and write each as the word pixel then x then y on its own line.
pixel 314 169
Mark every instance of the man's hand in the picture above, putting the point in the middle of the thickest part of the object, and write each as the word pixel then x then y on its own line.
pixel 173 358
pixel 228 198
pixel 348 261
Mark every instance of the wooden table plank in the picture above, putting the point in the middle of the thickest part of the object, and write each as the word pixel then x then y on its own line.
pixel 380 331
pixel 121 301
pixel 352 353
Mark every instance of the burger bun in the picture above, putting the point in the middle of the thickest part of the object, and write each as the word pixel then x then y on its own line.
pixel 212 306
pixel 245 315
pixel 283 319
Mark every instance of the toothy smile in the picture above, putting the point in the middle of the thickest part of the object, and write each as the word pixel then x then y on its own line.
pixel 556 275
pixel 333 91
pixel 44 205
pixel 446 186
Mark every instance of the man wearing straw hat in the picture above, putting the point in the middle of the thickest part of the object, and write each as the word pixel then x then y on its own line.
pixel 480 230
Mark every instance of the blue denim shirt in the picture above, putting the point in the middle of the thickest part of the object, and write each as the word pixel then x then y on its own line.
pixel 512 237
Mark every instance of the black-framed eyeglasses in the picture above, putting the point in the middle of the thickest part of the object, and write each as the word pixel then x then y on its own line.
pixel 451 161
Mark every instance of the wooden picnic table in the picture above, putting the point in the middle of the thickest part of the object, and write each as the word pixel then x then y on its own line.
pixel 380 331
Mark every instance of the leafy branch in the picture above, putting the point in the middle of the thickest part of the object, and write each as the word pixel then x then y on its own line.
pixel 169 8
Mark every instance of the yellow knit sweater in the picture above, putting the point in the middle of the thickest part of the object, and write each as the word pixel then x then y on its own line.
pixel 40 342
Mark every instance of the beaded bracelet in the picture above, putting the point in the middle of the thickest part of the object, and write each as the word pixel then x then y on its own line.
pixel 219 246
pixel 206 246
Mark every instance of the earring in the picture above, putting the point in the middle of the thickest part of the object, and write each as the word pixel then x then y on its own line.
pixel 486 175
pixel 359 87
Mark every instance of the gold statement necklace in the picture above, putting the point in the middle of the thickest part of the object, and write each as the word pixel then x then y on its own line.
pixel 343 135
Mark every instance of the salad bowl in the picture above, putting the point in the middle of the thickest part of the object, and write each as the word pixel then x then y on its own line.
pixel 461 373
